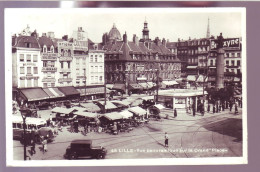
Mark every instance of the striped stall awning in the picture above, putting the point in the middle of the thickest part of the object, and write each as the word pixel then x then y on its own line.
pixel 53 92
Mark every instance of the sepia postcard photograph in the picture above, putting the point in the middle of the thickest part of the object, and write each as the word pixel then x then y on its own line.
pixel 125 86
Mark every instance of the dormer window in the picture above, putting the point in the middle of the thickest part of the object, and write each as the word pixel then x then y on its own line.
pixel 52 49
pixel 28 45
pixel 44 49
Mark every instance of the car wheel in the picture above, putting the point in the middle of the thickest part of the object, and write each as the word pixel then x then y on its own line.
pixel 73 156
pixel 100 156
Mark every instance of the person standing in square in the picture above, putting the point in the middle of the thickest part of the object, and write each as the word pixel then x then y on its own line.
pixel 166 139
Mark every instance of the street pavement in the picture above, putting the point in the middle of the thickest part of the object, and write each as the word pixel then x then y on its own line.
pixel 211 135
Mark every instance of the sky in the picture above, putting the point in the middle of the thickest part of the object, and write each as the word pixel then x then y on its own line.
pixel 168 23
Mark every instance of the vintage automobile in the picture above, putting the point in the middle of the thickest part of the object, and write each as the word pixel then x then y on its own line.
pixel 84 149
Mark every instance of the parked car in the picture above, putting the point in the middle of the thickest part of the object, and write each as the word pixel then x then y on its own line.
pixel 84 149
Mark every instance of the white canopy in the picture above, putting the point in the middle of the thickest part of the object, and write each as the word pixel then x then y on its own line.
pixel 126 114
pixel 137 110
pixel 86 114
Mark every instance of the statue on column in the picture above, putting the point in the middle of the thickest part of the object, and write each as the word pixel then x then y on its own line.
pixel 220 41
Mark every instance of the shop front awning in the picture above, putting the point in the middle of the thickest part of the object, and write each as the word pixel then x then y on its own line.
pixel 119 87
pixel 191 77
pixel 34 94
pixel 76 108
pixel 126 114
pixel 62 110
pixel 86 114
pixel 137 110
pixel 113 116
pixel 69 91
pixel 53 92
pixel 91 107
pixel 92 91
pixel 135 87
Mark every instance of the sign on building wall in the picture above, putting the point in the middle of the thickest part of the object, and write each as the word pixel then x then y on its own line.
pixel 229 43
pixel 80 41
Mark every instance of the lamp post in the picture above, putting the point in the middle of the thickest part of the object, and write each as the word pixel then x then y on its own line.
pixel 24 112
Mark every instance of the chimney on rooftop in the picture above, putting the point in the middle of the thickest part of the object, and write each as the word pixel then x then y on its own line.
pixel 44 35
pixel 135 40
pixel 125 38
pixel 51 35
pixel 157 40
pixel 164 42
pixel 65 37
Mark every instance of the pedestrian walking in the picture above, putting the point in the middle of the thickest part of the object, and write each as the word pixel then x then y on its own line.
pixel 44 142
pixel 194 111
pixel 166 141
pixel 175 113
pixel 33 147
pixel 214 109
pixel 236 108
pixel 208 108
pixel 223 107
pixel 230 106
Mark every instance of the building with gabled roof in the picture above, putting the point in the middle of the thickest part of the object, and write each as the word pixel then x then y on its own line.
pixel 128 63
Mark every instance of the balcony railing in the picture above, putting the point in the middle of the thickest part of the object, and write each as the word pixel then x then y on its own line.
pixel 48 80
pixel 49 69
pixel 65 80
pixel 65 70
pixel 49 56
pixel 65 59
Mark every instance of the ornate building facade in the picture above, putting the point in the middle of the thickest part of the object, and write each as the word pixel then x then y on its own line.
pixel 135 61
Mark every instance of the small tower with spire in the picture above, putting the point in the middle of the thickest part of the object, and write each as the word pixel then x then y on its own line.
pixel 145 31
pixel 208 30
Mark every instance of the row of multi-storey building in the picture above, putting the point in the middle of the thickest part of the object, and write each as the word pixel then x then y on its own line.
pixel 49 63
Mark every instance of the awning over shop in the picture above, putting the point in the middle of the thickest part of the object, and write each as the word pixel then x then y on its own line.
pixel 113 116
pixel 34 94
pixel 90 107
pixel 53 92
pixel 137 110
pixel 119 87
pixel 126 114
pixel 86 114
pixel 92 91
pixel 191 78
pixel 69 91
pixel 201 78
pixel 109 86
pixel 62 110
pixel 135 87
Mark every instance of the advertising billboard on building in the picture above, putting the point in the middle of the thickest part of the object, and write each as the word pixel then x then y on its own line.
pixel 229 43
pixel 80 41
